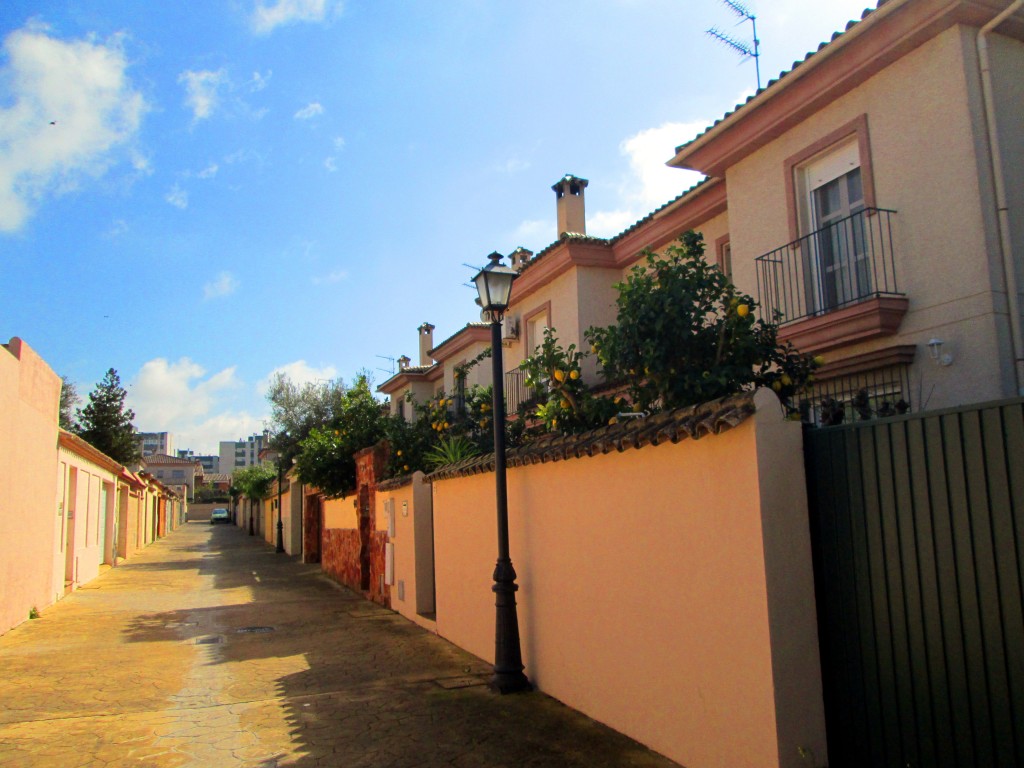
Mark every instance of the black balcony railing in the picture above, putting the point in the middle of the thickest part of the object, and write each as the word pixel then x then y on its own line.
pixel 848 261
pixel 516 391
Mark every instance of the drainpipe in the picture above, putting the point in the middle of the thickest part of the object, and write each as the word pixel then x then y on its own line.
pixel 1002 209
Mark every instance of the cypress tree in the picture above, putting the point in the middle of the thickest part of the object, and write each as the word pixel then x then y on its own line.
pixel 106 424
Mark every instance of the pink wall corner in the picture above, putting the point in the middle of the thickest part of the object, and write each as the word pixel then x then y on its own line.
pixel 29 405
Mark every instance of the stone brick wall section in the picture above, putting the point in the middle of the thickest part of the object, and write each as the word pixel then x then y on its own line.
pixel 370 463
pixel 340 556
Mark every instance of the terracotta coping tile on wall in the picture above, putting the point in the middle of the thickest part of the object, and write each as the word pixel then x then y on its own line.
pixel 694 422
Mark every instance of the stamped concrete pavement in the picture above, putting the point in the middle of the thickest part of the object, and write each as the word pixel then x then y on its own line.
pixel 209 649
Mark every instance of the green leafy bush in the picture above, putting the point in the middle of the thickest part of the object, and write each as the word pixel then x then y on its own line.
pixel 685 335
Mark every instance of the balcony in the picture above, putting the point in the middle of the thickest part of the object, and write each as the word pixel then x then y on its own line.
pixel 516 391
pixel 835 286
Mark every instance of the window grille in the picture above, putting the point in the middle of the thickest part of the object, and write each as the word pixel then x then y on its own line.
pixel 859 397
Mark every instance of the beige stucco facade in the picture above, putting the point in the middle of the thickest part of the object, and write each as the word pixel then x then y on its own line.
pixel 925 164
pixel 665 591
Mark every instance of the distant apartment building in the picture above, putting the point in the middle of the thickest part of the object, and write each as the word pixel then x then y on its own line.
pixel 238 454
pixel 151 443
pixel 211 463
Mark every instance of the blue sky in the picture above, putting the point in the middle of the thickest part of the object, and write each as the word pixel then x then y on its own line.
pixel 201 194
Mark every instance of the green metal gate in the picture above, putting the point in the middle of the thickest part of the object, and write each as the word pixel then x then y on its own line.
pixel 918 531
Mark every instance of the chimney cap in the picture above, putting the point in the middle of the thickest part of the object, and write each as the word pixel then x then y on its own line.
pixel 569 181
pixel 426 328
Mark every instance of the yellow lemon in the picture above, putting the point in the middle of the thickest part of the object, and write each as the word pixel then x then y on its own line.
pixel 446 425
pixel 777 385
pixel 554 423
pixel 786 381
pixel 398 453
pixel 406 467
pixel 742 310
pixel 819 359
pixel 559 375
pixel 574 375
pixel 613 420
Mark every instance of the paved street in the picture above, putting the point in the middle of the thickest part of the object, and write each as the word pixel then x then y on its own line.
pixel 209 649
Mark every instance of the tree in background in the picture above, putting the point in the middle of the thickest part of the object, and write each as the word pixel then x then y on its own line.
pixel 326 458
pixel 254 483
pixel 106 424
pixel 298 409
pixel 69 401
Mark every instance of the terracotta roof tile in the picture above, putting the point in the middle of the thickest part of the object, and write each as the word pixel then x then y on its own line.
pixel 670 426
pixel 394 483
pixel 162 458
pixel 462 329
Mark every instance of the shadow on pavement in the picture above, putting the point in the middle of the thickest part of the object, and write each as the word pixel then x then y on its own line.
pixel 354 683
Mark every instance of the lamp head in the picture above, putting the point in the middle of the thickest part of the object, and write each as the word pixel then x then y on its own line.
pixel 494 286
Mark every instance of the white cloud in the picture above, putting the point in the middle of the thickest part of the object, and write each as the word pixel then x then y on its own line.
pixel 175 397
pixel 67 107
pixel 201 91
pixel 224 285
pixel 267 17
pixel 258 81
pixel 208 172
pixel 177 197
pixel 650 183
pixel 117 228
pixel 512 165
pixel 331 162
pixel 300 372
pixel 533 229
pixel 334 277
pixel 309 111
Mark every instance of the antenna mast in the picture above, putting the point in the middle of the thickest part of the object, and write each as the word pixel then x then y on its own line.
pixel 742 48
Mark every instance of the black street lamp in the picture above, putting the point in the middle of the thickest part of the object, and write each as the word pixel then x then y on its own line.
pixel 494 284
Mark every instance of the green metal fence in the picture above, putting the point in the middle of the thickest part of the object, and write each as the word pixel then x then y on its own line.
pixel 918 531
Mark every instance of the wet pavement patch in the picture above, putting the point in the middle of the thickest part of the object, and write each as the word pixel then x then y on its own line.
pixel 212 640
pixel 254 630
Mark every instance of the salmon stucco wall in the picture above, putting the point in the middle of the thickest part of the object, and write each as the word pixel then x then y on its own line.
pixel 412 593
pixel 29 403
pixel 666 591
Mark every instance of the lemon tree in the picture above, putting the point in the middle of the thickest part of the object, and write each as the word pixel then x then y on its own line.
pixel 566 404
pixel 685 335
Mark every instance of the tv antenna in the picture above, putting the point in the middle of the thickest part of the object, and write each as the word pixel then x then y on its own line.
pixel 741 47
pixel 388 371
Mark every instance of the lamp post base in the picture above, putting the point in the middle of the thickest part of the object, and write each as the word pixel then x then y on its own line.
pixel 280 536
pixel 508 660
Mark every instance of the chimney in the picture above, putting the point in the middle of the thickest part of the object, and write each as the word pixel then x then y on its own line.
pixel 569 202
pixel 426 343
pixel 520 258
pixel 403 362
